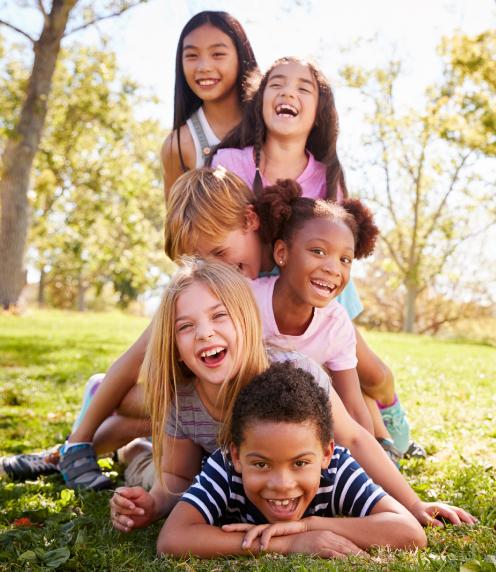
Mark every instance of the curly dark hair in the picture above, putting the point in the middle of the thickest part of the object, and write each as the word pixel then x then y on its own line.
pixel 282 393
pixel 321 141
pixel 283 211
pixel 185 100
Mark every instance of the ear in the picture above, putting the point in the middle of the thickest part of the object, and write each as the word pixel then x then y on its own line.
pixel 328 451
pixel 235 457
pixel 252 220
pixel 280 253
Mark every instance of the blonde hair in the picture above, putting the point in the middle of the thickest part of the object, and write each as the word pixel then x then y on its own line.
pixel 162 369
pixel 204 204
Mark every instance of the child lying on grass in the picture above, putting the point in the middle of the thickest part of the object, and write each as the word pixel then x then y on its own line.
pixel 282 484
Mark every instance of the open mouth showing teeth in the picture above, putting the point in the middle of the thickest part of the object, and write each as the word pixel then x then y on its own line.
pixel 283 505
pixel 286 110
pixel 324 287
pixel 213 356
pixel 206 82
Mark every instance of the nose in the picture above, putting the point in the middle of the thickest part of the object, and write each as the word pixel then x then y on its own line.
pixel 332 266
pixel 287 90
pixel 203 64
pixel 204 331
pixel 282 481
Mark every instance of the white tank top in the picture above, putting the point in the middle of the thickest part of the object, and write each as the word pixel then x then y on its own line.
pixel 210 137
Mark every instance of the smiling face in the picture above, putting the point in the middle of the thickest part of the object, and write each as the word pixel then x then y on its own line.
pixel 316 265
pixel 290 100
pixel 210 63
pixel 206 338
pixel 281 464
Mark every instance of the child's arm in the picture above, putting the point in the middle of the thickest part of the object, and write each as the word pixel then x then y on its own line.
pixel 185 533
pixel 389 524
pixel 119 379
pixel 170 158
pixel 347 386
pixel 133 507
pixel 370 455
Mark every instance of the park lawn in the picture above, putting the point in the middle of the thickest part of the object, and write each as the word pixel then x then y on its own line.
pixel 448 389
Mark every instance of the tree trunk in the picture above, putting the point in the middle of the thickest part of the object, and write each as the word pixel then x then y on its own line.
pixel 20 151
pixel 41 289
pixel 411 298
pixel 82 287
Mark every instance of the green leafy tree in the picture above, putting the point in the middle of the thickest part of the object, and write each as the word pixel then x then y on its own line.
pixel 469 91
pixel 431 195
pixel 97 202
pixel 60 19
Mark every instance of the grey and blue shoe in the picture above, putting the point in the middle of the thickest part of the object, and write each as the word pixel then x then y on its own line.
pixel 80 469
pixel 30 466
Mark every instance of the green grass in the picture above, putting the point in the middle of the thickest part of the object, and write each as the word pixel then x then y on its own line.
pixel 447 388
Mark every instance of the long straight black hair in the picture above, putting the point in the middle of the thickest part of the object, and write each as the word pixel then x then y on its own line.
pixel 186 101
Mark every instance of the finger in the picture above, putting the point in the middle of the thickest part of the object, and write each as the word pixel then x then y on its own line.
pixel 266 535
pixel 447 513
pixel 121 504
pixel 465 516
pixel 124 521
pixel 237 527
pixel 329 553
pixel 118 526
pixel 252 534
pixel 116 523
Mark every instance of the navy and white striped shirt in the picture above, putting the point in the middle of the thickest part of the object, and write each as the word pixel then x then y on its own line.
pixel 345 489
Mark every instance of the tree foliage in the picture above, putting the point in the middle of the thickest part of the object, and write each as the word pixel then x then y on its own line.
pixel 96 201
pixel 469 91
pixel 59 18
pixel 432 192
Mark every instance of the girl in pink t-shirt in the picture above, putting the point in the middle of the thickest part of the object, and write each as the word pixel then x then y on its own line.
pixel 288 131
pixel 314 244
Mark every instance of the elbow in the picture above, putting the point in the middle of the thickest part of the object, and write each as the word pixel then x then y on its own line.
pixel 164 547
pixel 168 544
pixel 410 535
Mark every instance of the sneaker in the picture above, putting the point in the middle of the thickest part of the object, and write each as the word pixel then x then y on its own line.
pixel 396 423
pixel 31 466
pixel 415 451
pixel 80 469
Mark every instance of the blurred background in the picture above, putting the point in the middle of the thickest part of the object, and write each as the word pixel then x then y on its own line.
pixel 415 85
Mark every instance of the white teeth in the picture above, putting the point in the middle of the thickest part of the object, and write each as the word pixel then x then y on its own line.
pixel 207 81
pixel 330 287
pixel 286 109
pixel 212 352
pixel 283 502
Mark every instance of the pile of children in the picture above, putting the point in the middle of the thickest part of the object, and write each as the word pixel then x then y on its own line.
pixel 233 389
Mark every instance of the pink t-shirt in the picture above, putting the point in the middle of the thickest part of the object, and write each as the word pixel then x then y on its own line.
pixel 242 162
pixel 329 339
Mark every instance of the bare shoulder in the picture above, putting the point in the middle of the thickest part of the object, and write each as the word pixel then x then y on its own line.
pixel 171 158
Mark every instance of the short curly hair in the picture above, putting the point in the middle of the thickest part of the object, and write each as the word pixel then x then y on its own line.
pixel 282 393
pixel 283 211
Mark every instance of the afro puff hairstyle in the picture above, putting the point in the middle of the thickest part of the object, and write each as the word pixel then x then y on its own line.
pixel 283 211
pixel 282 394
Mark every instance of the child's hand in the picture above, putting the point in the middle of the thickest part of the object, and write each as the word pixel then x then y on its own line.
pixel 265 531
pixel 426 513
pixel 131 507
pixel 323 543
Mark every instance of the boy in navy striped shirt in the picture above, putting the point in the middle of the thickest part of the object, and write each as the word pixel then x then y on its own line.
pixel 283 482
